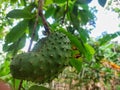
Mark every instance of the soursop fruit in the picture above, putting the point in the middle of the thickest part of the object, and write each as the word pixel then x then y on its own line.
pixel 45 61
pixel 39 45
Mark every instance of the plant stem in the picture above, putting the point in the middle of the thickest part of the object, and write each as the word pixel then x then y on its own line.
pixel 40 12
pixel 33 33
pixel 65 12
pixel 20 85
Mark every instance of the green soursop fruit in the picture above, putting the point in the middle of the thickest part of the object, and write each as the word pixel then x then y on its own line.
pixel 39 45
pixel 45 62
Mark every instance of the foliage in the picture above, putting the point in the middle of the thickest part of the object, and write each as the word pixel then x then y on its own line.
pixel 25 21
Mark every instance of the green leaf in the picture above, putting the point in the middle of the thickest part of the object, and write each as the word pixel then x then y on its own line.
pixel 22 42
pixel 84 16
pixel 83 34
pixel 1 33
pixel 90 51
pixel 17 31
pixel 30 7
pixel 36 87
pixel 48 2
pixel 50 11
pixel 84 1
pixel 16 45
pixel 75 20
pixel 59 12
pixel 2 1
pixel 117 10
pixel 75 9
pixel 13 1
pixel 106 38
pixel 23 2
pixel 102 2
pixel 4 68
pixel 19 13
pixel 77 63
pixel 59 1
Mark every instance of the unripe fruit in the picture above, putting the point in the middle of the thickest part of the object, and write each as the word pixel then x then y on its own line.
pixel 47 59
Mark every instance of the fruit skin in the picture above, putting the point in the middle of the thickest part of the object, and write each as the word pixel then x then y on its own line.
pixel 39 45
pixel 45 61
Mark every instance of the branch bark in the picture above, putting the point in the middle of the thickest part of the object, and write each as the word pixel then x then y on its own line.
pixel 44 21
pixel 65 12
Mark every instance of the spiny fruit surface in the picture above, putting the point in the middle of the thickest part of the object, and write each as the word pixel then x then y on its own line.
pixel 45 61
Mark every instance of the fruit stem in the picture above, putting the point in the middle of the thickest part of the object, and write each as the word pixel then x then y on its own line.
pixel 44 21
pixel 65 12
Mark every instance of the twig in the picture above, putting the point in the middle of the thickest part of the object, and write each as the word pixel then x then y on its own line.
pixel 20 85
pixel 65 12
pixel 33 33
pixel 46 26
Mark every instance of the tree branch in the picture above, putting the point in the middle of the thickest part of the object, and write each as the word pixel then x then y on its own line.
pixel 40 11
pixel 33 33
pixel 63 18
